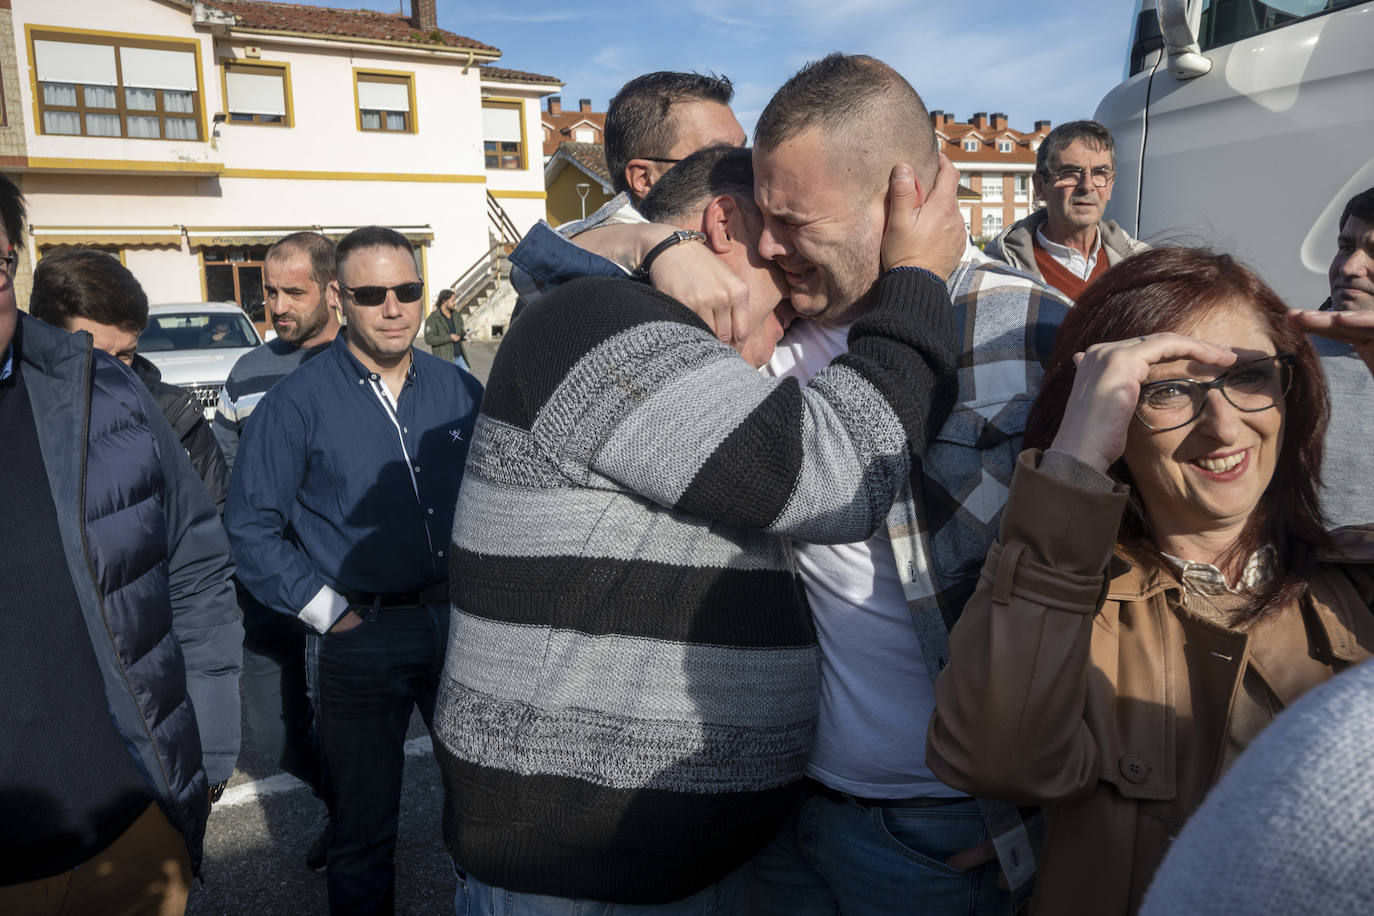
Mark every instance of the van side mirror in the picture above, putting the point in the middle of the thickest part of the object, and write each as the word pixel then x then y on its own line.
pixel 1180 21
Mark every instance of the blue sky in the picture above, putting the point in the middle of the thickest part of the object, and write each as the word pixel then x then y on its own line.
pixel 1031 60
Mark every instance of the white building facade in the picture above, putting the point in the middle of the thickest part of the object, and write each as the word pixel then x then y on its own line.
pixel 186 137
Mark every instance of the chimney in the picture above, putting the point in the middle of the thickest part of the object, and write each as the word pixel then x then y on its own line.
pixel 1042 125
pixel 999 121
pixel 584 105
pixel 979 120
pixel 555 104
pixel 424 15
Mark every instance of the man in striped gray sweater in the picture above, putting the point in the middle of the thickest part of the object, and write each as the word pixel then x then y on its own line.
pixel 630 691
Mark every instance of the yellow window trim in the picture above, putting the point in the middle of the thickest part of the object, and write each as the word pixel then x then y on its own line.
pixel 524 195
pixel 98 37
pixel 413 125
pixel 497 101
pixel 122 166
pixel 247 64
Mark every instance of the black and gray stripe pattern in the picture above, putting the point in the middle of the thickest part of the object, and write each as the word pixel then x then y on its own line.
pixel 630 691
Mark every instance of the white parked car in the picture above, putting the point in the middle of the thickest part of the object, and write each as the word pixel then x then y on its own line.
pixel 195 344
pixel 1246 124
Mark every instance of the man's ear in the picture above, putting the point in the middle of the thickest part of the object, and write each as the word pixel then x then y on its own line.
pixel 1038 185
pixel 334 295
pixel 720 222
pixel 639 176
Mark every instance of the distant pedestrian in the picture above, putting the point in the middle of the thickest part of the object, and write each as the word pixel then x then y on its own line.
pixel 444 331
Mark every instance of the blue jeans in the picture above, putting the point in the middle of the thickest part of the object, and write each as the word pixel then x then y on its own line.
pixel 365 682
pixel 724 898
pixel 844 857
pixel 461 363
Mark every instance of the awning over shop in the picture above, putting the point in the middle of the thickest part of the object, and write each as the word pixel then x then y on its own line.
pixel 216 237
pixel 122 236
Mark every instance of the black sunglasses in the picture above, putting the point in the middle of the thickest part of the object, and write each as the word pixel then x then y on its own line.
pixel 376 295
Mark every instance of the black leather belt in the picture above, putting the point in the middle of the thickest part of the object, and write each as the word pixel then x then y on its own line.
pixel 434 594
pixel 816 787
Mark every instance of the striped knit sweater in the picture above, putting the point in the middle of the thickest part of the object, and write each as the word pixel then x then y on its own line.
pixel 630 690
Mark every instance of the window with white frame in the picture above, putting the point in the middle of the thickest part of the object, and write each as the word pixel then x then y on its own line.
pixel 1020 213
pixel 992 186
pixel 584 135
pixel 992 223
pixel 1004 146
pixel 256 93
pixel 971 145
pixel 1023 183
pixel 116 87
pixel 386 101
pixel 503 135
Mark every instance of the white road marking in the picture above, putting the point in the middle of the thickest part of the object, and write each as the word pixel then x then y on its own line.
pixel 285 782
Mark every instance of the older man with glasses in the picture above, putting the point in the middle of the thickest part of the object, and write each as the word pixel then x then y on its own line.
pixel 339 511
pixel 1067 244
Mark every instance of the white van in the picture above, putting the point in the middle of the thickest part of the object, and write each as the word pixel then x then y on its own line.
pixel 1246 125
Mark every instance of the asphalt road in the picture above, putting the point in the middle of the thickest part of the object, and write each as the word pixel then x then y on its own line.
pixel 258 834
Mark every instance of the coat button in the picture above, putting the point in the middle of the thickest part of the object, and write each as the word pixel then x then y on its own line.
pixel 1134 769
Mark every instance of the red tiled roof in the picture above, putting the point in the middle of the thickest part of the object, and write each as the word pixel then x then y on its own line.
pixel 518 76
pixel 590 156
pixel 563 123
pixel 952 136
pixel 321 20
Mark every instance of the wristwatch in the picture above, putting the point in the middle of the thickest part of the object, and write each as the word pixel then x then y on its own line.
pixel 672 241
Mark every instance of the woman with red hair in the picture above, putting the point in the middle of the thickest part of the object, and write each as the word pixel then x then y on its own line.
pixel 1163 585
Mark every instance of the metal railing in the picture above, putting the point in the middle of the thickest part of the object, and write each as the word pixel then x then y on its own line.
pixel 501 222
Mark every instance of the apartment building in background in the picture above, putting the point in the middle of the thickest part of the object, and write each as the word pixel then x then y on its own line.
pixel 996 162
pixel 185 137
pixel 580 126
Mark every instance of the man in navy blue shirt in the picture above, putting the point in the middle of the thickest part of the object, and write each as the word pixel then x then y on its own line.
pixel 339 512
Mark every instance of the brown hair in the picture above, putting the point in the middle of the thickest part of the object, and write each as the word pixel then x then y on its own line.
pixel 1165 289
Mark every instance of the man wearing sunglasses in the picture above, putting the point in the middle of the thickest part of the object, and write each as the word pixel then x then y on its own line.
pixel 1068 244
pixel 339 511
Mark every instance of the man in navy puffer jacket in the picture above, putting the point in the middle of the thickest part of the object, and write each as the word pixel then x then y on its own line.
pixel 120 662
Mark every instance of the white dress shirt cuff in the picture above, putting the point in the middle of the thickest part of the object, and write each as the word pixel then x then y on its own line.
pixel 324 609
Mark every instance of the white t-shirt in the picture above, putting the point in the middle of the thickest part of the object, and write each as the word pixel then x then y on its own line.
pixel 876 697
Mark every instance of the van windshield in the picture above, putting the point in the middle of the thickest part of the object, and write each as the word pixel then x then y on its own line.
pixel 1225 21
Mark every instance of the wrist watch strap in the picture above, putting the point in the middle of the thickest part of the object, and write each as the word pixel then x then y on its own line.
pixel 677 238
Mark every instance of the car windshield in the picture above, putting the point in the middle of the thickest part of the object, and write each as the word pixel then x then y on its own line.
pixel 192 330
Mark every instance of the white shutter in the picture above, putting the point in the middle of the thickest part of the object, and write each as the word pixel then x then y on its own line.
pixel 256 93
pixel 501 124
pixel 383 96
pixel 69 62
pixel 154 68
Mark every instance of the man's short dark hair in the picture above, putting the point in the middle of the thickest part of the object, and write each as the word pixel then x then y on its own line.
pixel 12 210
pixel 87 283
pixel 704 175
pixel 857 101
pixel 445 295
pixel 1361 206
pixel 369 237
pixel 1090 133
pixel 639 122
pixel 317 249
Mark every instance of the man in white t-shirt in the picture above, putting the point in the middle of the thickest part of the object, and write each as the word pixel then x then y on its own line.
pixel 878 833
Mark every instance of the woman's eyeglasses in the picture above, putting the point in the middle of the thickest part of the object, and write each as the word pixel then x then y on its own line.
pixel 1251 386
